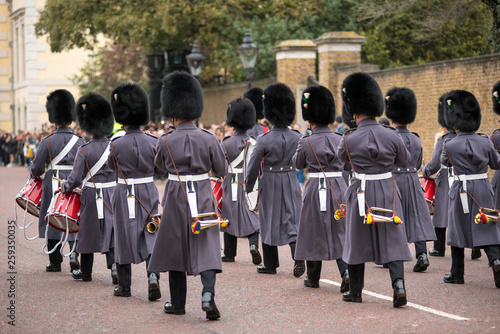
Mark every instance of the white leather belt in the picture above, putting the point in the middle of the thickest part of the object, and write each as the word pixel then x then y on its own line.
pixel 361 190
pixel 101 184
pixel 463 191
pixel 139 180
pixel 62 167
pixel 235 170
pixel 327 174
pixel 185 178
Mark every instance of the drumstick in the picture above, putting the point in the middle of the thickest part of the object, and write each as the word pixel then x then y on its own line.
pixel 58 179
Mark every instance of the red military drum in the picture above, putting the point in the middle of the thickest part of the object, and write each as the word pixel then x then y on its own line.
pixel 30 196
pixel 64 211
pixel 429 188
pixel 217 191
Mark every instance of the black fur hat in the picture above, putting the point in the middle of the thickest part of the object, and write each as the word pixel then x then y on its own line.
pixel 441 108
pixel 94 114
pixel 181 96
pixel 462 111
pixel 130 105
pixel 348 119
pixel 255 95
pixel 401 105
pixel 495 98
pixel 241 114
pixel 279 105
pixel 61 107
pixel 362 95
pixel 318 105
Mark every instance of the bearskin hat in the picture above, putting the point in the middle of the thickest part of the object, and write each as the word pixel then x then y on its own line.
pixel 181 96
pixel 348 119
pixel 401 105
pixel 462 111
pixel 241 114
pixel 279 105
pixel 362 95
pixel 318 105
pixel 496 98
pixel 130 105
pixel 255 95
pixel 94 114
pixel 441 107
pixel 61 107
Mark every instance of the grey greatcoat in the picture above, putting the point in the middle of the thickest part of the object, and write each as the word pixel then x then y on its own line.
pixel 257 130
pixel 57 142
pixel 374 149
pixel 279 189
pixel 243 221
pixel 471 153
pixel 135 152
pixel 441 198
pixel 320 236
pixel 495 180
pixel 416 214
pixel 95 235
pixel 194 152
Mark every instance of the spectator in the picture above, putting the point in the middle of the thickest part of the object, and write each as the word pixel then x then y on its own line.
pixel 339 126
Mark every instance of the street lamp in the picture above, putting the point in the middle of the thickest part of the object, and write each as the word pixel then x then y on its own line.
pixel 195 60
pixel 248 53
pixel 156 68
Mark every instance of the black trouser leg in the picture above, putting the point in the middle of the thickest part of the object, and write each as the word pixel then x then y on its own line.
pixel 440 243
pixel 492 252
pixel 292 249
pixel 457 261
pixel 208 281
pixel 230 244
pixel 86 263
pixel 342 266
pixel 71 243
pixel 253 239
pixel 396 270
pixel 147 266
pixel 356 278
pixel 110 257
pixel 271 258
pixel 56 256
pixel 314 270
pixel 178 287
pixel 124 272
pixel 420 247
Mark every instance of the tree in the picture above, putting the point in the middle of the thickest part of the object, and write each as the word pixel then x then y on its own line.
pixel 494 37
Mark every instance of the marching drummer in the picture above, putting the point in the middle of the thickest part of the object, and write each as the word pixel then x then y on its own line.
pixel 57 151
pixel 135 198
pixel 372 150
pixel 401 109
pixel 319 236
pixel 244 223
pixel 279 189
pixel 470 154
pixel 95 233
pixel 188 154
pixel 255 95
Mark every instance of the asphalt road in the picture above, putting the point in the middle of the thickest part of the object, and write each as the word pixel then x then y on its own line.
pixel 248 301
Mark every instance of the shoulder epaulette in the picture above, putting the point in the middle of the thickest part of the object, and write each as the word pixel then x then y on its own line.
pixel 416 134
pixel 226 137
pixel 349 131
pixel 482 134
pixel 389 127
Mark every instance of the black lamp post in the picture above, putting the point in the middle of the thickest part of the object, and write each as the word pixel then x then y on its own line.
pixel 156 68
pixel 248 53
pixel 195 60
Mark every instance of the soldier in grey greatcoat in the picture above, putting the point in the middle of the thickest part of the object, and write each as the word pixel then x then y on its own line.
pixel 401 109
pixel 50 153
pixel 279 189
pixel 495 139
pixel 321 236
pixel 255 95
pixel 469 154
pixel 95 232
pixel 372 150
pixel 135 198
pixel 244 223
pixel 443 179
pixel 188 154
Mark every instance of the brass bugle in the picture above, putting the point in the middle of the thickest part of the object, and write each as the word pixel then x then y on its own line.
pixel 154 224
pixel 492 215
pixel 379 218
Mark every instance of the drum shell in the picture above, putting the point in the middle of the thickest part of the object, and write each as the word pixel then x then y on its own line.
pixel 429 188
pixel 31 196
pixel 217 191
pixel 64 210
